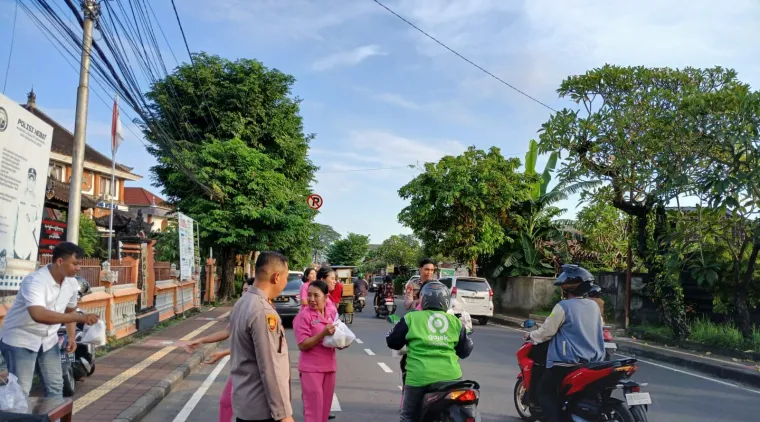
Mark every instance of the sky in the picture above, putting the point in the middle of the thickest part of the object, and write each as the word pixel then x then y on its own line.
pixel 381 97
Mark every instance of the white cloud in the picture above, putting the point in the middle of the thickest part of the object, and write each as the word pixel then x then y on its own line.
pixel 347 58
pixel 449 110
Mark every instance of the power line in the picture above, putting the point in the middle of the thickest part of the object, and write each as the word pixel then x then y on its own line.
pixel 10 52
pixel 462 57
pixel 408 166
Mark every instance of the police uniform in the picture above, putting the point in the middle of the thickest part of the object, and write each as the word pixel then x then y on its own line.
pixel 260 367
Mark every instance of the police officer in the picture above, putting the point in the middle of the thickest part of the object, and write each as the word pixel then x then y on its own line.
pixel 260 367
pixel 412 288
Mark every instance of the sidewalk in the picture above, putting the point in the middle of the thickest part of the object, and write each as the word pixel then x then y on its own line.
pixel 129 382
pixel 747 372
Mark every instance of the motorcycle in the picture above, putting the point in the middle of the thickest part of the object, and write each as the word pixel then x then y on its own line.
pixel 448 401
pixel 609 343
pixel 360 301
pixel 67 360
pixel 386 307
pixel 586 392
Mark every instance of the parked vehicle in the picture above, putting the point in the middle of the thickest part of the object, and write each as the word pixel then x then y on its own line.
pixel 375 283
pixel 586 393
pixel 67 360
pixel 471 294
pixel 288 303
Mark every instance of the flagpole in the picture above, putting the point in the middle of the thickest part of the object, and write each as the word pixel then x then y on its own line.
pixel 110 219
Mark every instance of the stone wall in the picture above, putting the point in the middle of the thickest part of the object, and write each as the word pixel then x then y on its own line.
pixel 522 295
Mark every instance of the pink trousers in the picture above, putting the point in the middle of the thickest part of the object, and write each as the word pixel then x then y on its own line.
pixel 317 390
pixel 225 403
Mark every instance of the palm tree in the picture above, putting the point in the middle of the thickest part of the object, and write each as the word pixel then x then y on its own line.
pixel 541 234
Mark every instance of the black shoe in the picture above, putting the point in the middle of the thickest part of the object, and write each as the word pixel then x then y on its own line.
pixel 331 417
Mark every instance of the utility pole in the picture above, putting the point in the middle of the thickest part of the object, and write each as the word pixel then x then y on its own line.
pixel 91 10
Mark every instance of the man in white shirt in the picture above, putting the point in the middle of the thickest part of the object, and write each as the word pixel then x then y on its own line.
pixel 46 299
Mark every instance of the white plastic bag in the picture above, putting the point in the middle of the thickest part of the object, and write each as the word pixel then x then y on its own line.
pixel 12 398
pixel 342 337
pixel 95 334
pixel 465 318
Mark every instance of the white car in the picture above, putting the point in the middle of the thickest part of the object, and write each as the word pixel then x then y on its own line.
pixel 472 295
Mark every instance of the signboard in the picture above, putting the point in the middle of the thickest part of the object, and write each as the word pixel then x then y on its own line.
pixel 186 246
pixel 144 275
pixel 343 273
pixel 315 201
pixel 447 272
pixel 24 158
pixel 52 233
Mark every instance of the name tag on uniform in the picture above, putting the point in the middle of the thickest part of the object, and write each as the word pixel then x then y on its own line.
pixel 315 322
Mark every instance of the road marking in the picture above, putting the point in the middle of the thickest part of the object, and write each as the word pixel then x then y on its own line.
pixel 385 368
pixel 401 388
pixel 335 406
pixel 358 341
pixel 681 371
pixel 369 352
pixel 198 395
pixel 224 315
pixel 111 384
pixel 211 308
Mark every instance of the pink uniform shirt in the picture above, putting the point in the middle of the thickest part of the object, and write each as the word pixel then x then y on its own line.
pixel 304 294
pixel 309 323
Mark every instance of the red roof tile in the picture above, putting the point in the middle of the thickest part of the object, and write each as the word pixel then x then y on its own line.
pixel 139 197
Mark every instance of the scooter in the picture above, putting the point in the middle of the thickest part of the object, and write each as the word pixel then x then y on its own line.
pixel 448 401
pixel 386 307
pixel 360 301
pixel 586 392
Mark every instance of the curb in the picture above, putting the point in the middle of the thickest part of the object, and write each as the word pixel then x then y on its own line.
pixel 722 370
pixel 152 397
pixel 733 372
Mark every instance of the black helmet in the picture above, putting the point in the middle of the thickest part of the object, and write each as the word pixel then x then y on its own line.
pixel 434 295
pixel 575 280
pixel 595 290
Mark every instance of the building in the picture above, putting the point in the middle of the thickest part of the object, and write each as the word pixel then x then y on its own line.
pixel 96 178
pixel 155 210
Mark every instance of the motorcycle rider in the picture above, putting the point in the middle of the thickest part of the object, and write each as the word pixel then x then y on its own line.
pixel 574 333
pixel 412 288
pixel 435 342
pixel 595 294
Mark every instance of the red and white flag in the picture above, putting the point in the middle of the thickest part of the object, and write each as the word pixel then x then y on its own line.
pixel 116 136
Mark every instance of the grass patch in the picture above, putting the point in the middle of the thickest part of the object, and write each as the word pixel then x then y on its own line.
pixel 543 312
pixel 704 331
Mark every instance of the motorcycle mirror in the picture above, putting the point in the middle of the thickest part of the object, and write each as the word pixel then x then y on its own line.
pixel 528 323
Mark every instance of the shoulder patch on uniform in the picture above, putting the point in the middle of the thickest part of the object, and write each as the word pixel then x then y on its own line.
pixel 272 322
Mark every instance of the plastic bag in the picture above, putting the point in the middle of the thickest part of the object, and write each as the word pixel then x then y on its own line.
pixel 12 397
pixel 465 318
pixel 342 337
pixel 95 334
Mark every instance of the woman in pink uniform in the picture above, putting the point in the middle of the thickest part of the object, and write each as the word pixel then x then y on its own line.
pixel 317 364
pixel 308 276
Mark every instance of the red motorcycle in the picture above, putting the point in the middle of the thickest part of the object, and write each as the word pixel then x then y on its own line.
pixel 586 392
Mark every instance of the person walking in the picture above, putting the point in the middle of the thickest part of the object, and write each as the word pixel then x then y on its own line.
pixel 317 363
pixel 46 299
pixel 308 276
pixel 260 367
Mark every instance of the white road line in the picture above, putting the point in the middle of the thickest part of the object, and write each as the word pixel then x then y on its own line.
pixel 335 406
pixel 358 341
pixel 681 371
pixel 190 405
pixel 369 352
pixel 385 368
pixel 400 388
pixel 212 308
pixel 224 315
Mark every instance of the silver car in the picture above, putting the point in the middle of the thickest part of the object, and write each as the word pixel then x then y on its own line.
pixel 288 303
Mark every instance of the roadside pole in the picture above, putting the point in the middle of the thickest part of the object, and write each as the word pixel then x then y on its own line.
pixel 91 11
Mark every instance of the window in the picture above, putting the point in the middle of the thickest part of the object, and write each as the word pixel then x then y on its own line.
pixel 294 284
pixel 473 285
pixel 55 171
pixel 105 186
pixel 446 282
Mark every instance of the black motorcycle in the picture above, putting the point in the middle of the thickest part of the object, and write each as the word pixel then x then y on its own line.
pixel 451 401
pixel 360 301
pixel 81 363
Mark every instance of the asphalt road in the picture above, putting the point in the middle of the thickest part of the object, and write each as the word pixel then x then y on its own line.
pixel 367 392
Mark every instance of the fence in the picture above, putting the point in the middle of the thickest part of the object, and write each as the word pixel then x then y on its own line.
pixel 162 270
pixel 89 269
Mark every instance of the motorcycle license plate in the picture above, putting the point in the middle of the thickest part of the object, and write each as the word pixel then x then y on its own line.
pixel 66 358
pixel 637 399
pixel 610 346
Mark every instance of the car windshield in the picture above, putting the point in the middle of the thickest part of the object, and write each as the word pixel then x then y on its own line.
pixel 472 285
pixel 293 284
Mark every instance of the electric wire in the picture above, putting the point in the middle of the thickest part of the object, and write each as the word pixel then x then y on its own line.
pixel 516 89
pixel 10 51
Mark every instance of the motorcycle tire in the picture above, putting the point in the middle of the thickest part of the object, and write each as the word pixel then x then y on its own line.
pixel 92 369
pixel 622 414
pixel 639 414
pixel 69 382
pixel 522 410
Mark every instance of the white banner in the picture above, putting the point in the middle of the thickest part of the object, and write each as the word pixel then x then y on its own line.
pixel 24 159
pixel 186 246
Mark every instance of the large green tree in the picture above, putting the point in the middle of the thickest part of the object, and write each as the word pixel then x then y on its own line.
pixel 350 250
pixel 232 154
pixel 460 205
pixel 642 130
pixel 400 251
pixel 323 236
pixel 604 230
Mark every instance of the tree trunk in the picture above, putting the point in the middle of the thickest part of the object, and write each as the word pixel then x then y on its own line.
pixel 473 264
pixel 227 281
pixel 742 292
